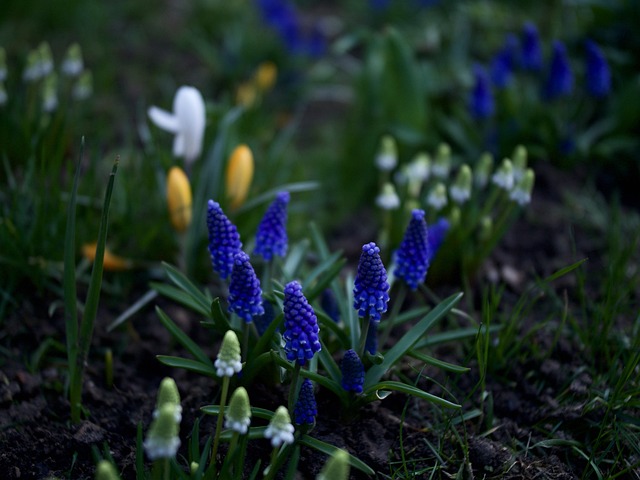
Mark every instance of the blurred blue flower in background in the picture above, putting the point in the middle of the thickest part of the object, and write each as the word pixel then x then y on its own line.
pixel 559 80
pixel 531 55
pixel 504 62
pixel 437 233
pixel 598 72
pixel 481 104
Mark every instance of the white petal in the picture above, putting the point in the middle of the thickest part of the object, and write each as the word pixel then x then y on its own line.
pixel 189 108
pixel 178 144
pixel 164 119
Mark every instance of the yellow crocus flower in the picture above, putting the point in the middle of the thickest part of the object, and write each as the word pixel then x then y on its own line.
pixel 266 75
pixel 239 175
pixel 179 199
pixel 110 262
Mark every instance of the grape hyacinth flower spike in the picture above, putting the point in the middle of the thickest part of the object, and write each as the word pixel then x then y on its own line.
pixel 306 409
pixel 300 325
pixel 224 240
pixel 238 415
pixel 531 50
pixel 560 77
pixel 352 372
pixel 412 258
pixel 481 104
pixel 280 430
pixel 598 72
pixel 271 238
pixel 245 294
pixel 437 233
pixel 370 290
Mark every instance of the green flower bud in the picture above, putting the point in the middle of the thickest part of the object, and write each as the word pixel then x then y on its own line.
pixel 229 361
pixel 417 172
pixel 73 64
pixel 486 228
pixel 168 395
pixel 46 59
pixel 162 438
pixel 483 170
pixel 521 193
pixel 442 164
pixel 387 156
pixel 460 191
pixel 504 175
pixel 437 197
pixel 280 429
pixel 84 86
pixel 454 216
pixel 336 468
pixel 519 162
pixel 388 198
pixel 50 93
pixel 238 415
pixel 32 71
pixel 106 471
pixel 194 467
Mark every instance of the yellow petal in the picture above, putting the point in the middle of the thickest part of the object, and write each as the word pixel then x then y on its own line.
pixel 239 175
pixel 246 94
pixel 110 262
pixel 179 199
pixel 266 76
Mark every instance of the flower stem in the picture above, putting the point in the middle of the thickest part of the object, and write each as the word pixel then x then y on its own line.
pixel 397 305
pixel 223 400
pixel 270 472
pixel 364 330
pixel 293 388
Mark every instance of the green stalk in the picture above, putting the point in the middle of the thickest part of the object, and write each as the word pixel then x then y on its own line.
pixel 364 330
pixel 293 388
pixel 223 401
pixel 271 470
pixel 399 300
pixel 91 306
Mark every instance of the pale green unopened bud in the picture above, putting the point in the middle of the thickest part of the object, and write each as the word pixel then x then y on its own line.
pixel 519 162
pixel 238 415
pixel 162 438
pixel 168 395
pixel 106 471
pixel 437 198
pixel 194 467
pixel 387 156
pixel 3 65
pixel 50 93
pixel 336 468
pixel 280 429
pixel 388 198
pixel 46 59
pixel 483 170
pixel 229 361
pixel 417 172
pixel 73 64
pixel 32 70
pixel 83 87
pixel 521 193
pixel 486 228
pixel 454 216
pixel 504 175
pixel 442 163
pixel 460 191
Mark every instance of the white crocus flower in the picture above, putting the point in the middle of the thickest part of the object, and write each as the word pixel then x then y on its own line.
pixel 187 122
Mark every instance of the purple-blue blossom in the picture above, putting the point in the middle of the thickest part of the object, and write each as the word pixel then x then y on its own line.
pixel 245 294
pixel 503 62
pixel 598 72
pixel 263 321
pixel 370 290
pixel 352 372
pixel 412 257
pixel 437 233
pixel 224 240
pixel 559 81
pixel 300 325
pixel 271 237
pixel 481 103
pixel 531 57
pixel 306 408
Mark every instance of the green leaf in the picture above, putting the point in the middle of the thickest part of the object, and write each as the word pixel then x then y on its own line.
pixel 219 318
pixel 255 411
pixel 453 336
pixel 294 259
pixel 401 347
pixel 564 271
pixel 271 194
pixel 180 280
pixel 178 295
pixel 187 364
pixel 372 393
pixel 326 278
pixel 183 338
pixel 329 449
pixel 449 367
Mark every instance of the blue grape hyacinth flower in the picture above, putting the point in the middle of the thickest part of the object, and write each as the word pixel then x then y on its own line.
pixel 481 103
pixel 224 240
pixel 245 294
pixel 531 58
pixel 271 238
pixel 300 325
pixel 559 81
pixel 437 233
pixel 598 72
pixel 412 258
pixel 306 408
pixel 370 289
pixel 352 372
pixel 263 321
pixel 503 63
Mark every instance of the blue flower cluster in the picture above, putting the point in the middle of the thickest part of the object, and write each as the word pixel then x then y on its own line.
pixel 282 17
pixel 482 104
pixel 263 321
pixel 412 258
pixel 300 325
pixel 437 233
pixel 271 238
pixel 531 58
pixel 245 294
pixel 352 372
pixel 306 408
pixel 224 240
pixel 598 73
pixel 559 80
pixel 504 62
pixel 370 290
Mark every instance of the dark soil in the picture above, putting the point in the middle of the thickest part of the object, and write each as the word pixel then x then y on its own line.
pixel 37 441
